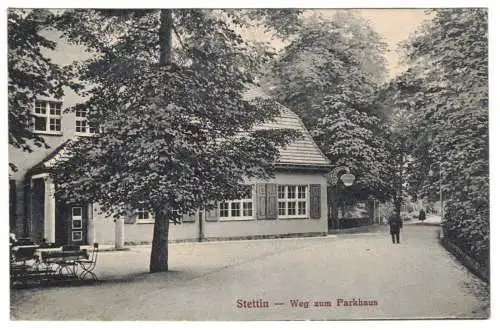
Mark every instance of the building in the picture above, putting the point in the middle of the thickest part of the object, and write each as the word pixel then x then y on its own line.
pixel 292 203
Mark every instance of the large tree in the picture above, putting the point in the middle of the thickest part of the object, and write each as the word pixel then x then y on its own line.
pixel 327 56
pixel 329 74
pixel 175 131
pixel 400 98
pixel 31 73
pixel 448 81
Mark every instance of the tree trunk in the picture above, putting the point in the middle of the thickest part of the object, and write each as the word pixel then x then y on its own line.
pixel 165 36
pixel 159 248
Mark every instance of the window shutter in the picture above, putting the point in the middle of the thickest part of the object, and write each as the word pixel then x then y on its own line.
pixel 211 215
pixel 272 201
pixel 130 215
pixel 260 198
pixel 315 201
pixel 189 217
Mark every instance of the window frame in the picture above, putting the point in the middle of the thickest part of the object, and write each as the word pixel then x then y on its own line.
pixel 81 116
pixel 286 199
pixel 241 206
pixel 149 219
pixel 48 116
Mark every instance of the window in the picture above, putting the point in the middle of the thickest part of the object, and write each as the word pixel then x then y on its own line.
pixel 47 117
pixel 76 236
pixel 144 215
pixel 76 223
pixel 292 201
pixel 238 209
pixel 82 124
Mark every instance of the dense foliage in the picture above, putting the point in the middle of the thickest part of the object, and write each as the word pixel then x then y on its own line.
pixel 31 73
pixel 445 91
pixel 170 114
pixel 329 74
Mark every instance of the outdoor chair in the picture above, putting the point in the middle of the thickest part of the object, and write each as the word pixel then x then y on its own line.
pixel 63 262
pixel 23 262
pixel 88 265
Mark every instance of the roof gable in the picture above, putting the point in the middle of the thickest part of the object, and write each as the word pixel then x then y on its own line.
pixel 303 151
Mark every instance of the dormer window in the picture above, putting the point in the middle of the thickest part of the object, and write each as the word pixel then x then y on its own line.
pixel 47 117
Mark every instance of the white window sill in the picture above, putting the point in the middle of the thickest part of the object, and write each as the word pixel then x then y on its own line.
pixel 48 133
pixel 145 221
pixel 84 134
pixel 301 217
pixel 237 219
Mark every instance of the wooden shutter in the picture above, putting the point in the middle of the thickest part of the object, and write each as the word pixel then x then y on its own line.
pixel 260 198
pixel 315 201
pixel 189 217
pixel 130 215
pixel 271 201
pixel 212 215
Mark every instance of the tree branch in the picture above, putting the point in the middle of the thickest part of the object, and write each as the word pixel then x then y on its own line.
pixel 179 38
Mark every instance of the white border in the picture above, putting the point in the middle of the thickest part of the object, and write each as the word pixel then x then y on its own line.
pixel 493 47
pixel 251 4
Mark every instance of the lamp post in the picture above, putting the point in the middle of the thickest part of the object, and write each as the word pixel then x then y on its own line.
pixel 333 177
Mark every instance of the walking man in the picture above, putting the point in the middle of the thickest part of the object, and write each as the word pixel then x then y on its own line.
pixel 395 225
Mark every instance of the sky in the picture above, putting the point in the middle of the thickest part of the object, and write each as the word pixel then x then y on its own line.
pixel 393 25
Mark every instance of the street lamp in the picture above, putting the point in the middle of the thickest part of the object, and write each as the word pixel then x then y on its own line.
pixel 431 173
pixel 347 178
pixel 333 177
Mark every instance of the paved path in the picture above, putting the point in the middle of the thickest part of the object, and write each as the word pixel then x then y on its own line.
pixel 415 279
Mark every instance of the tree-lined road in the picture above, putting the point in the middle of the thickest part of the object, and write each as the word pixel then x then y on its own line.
pixel 273 280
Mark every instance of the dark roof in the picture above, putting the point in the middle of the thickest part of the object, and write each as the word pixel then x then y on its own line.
pixel 59 153
pixel 303 151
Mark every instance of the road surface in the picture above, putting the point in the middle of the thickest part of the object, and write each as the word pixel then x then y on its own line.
pixel 338 277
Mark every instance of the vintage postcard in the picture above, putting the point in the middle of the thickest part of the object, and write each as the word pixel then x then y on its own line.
pixel 248 164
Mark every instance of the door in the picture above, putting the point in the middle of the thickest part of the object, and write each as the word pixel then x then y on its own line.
pixel 78 219
pixel 62 223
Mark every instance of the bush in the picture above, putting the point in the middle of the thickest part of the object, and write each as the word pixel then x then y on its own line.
pixel 467 226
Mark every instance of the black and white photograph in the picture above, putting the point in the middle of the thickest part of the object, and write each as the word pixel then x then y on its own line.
pixel 247 164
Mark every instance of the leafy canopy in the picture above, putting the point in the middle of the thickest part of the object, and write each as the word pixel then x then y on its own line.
pixel 31 73
pixel 446 93
pixel 174 136
pixel 328 74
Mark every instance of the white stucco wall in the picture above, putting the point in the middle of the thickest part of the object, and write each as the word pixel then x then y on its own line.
pixel 280 226
pixel 24 161
pixel 143 232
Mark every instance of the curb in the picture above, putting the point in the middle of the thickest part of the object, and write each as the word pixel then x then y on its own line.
pixel 354 230
pixel 107 249
pixel 424 224
pixel 221 239
pixel 113 249
pixel 472 265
